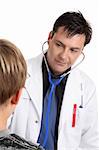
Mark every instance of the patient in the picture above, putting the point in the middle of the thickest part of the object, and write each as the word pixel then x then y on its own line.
pixel 13 72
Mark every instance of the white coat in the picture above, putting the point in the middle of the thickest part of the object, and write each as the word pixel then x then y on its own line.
pixel 79 90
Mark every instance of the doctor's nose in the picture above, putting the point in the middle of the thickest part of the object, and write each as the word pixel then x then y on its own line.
pixel 65 54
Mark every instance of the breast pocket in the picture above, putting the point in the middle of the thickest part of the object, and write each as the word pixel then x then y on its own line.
pixel 74 120
pixel 71 127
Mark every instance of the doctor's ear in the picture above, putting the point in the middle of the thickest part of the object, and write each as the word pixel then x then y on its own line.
pixel 50 35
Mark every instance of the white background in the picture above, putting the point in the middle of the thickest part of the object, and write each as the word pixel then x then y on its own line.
pixel 28 22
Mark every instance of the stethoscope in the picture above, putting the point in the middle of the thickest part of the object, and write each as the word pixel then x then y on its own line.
pixel 52 87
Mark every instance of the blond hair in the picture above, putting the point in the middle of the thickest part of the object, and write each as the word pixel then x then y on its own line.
pixel 13 70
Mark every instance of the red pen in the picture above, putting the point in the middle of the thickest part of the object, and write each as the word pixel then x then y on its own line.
pixel 74 115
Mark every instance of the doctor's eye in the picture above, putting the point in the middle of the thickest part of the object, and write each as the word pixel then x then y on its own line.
pixel 58 44
pixel 74 50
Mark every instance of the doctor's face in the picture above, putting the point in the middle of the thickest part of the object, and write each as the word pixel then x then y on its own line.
pixel 63 50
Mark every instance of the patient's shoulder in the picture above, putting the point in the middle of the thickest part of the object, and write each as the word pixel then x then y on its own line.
pixel 15 142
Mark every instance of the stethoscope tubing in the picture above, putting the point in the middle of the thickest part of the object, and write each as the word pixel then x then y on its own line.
pixel 52 87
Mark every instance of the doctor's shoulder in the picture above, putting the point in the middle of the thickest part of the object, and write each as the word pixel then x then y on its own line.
pixel 34 63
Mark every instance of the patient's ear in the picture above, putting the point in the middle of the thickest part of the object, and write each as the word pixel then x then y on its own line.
pixel 15 98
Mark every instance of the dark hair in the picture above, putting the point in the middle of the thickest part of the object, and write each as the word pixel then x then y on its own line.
pixel 74 23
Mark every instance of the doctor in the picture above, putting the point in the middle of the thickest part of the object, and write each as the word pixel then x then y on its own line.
pixel 58 107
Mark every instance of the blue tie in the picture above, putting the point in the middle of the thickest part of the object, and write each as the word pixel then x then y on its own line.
pixel 47 133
